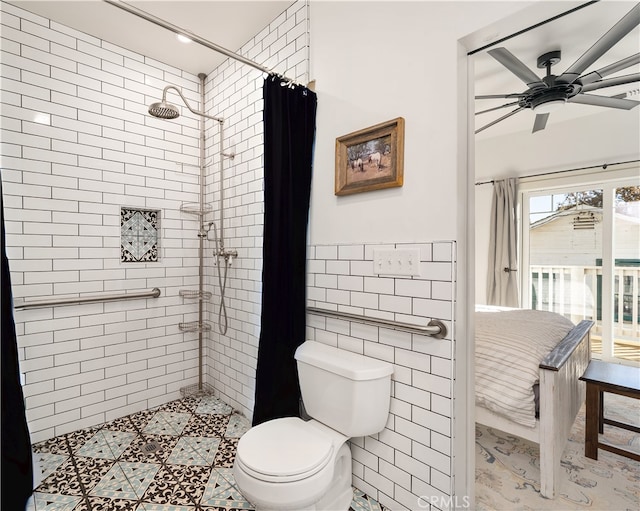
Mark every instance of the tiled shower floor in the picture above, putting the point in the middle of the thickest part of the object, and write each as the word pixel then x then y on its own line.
pixel 177 457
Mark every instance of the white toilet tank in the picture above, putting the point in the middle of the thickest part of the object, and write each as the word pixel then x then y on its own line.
pixel 348 392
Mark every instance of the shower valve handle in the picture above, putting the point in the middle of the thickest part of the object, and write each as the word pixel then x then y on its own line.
pixel 228 255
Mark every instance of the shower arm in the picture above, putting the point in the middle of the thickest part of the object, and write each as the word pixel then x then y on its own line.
pixel 184 100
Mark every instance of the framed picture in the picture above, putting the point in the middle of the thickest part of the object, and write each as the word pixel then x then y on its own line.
pixel 370 159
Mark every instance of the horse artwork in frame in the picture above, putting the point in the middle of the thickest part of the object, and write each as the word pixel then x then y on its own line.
pixel 371 158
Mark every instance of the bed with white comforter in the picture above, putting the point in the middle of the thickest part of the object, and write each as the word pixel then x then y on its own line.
pixel 517 349
pixel 510 345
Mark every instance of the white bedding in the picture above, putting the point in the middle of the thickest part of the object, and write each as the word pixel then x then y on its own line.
pixel 510 344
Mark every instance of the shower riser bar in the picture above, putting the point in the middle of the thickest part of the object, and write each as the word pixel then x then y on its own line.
pixel 153 293
pixel 434 328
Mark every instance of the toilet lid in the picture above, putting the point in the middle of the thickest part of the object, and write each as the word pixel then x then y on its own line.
pixel 283 450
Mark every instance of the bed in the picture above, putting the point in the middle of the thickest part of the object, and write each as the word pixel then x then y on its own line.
pixel 519 348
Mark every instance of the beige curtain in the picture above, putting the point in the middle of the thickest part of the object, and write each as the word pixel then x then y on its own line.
pixel 502 275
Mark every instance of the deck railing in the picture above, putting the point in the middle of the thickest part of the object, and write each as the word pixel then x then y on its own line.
pixel 575 291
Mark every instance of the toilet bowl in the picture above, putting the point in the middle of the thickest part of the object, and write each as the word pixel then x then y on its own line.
pixel 291 464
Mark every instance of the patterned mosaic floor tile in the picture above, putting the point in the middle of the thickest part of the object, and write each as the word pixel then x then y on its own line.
pixel 125 424
pixel 56 445
pixel 177 457
pixel 213 405
pixel 150 506
pixel 226 453
pixel 167 423
pixel 89 471
pixel 106 444
pixel 48 463
pixel 186 405
pixel 362 502
pixel 78 438
pixel 92 503
pixel 64 480
pixel 238 426
pixel 125 480
pixel 52 502
pixel 221 492
pixel 194 451
pixel 147 448
pixel 207 425
pixel 140 419
pixel 178 485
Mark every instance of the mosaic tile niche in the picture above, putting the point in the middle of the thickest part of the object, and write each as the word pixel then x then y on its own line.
pixel 139 235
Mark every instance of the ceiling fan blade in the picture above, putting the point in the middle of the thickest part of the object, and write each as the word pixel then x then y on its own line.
pixel 590 99
pixel 540 122
pixel 499 119
pixel 502 96
pixel 628 22
pixel 610 69
pixel 497 108
pixel 610 82
pixel 513 64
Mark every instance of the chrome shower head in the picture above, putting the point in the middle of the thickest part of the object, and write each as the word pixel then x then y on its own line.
pixel 164 110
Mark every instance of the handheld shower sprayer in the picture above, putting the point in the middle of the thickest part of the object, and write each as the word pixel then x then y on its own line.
pixel 228 256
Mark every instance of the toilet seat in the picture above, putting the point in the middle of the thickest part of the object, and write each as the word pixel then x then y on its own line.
pixel 284 450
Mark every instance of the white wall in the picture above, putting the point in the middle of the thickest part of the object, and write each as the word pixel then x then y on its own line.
pixel 374 61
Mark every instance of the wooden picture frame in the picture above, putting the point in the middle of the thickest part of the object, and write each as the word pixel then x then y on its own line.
pixel 370 159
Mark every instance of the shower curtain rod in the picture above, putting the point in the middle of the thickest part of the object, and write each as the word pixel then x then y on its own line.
pixel 603 167
pixel 196 38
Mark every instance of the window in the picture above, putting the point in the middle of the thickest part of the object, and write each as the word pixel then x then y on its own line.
pixel 581 255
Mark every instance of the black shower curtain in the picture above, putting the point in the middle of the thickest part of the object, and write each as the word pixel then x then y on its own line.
pixel 289 132
pixel 17 469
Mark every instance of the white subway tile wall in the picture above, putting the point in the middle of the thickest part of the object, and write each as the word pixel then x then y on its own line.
pixel 77 145
pixel 234 92
pixel 411 457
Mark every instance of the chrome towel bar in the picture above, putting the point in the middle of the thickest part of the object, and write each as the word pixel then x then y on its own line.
pixel 434 328
pixel 153 293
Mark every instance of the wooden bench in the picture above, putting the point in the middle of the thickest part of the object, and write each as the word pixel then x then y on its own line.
pixel 604 377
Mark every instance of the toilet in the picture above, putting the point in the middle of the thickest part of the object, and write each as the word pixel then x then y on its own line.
pixel 293 464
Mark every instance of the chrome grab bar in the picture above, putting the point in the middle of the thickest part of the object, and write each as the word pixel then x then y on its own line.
pixel 153 293
pixel 434 328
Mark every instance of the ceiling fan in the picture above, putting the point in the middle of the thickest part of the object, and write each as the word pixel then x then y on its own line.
pixel 547 94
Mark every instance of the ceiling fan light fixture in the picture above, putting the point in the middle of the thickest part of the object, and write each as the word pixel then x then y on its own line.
pixel 550 106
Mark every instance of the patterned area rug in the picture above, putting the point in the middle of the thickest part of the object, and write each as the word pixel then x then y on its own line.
pixel 508 468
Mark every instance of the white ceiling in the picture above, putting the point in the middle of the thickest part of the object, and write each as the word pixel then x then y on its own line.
pixel 573 34
pixel 229 24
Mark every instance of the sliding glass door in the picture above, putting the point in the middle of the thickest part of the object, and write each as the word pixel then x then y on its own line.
pixel 581 257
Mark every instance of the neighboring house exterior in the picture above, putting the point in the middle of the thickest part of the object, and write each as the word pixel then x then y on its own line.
pixel 569 246
pixel 574 237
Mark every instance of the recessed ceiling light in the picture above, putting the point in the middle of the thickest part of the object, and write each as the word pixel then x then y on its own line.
pixel 183 38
